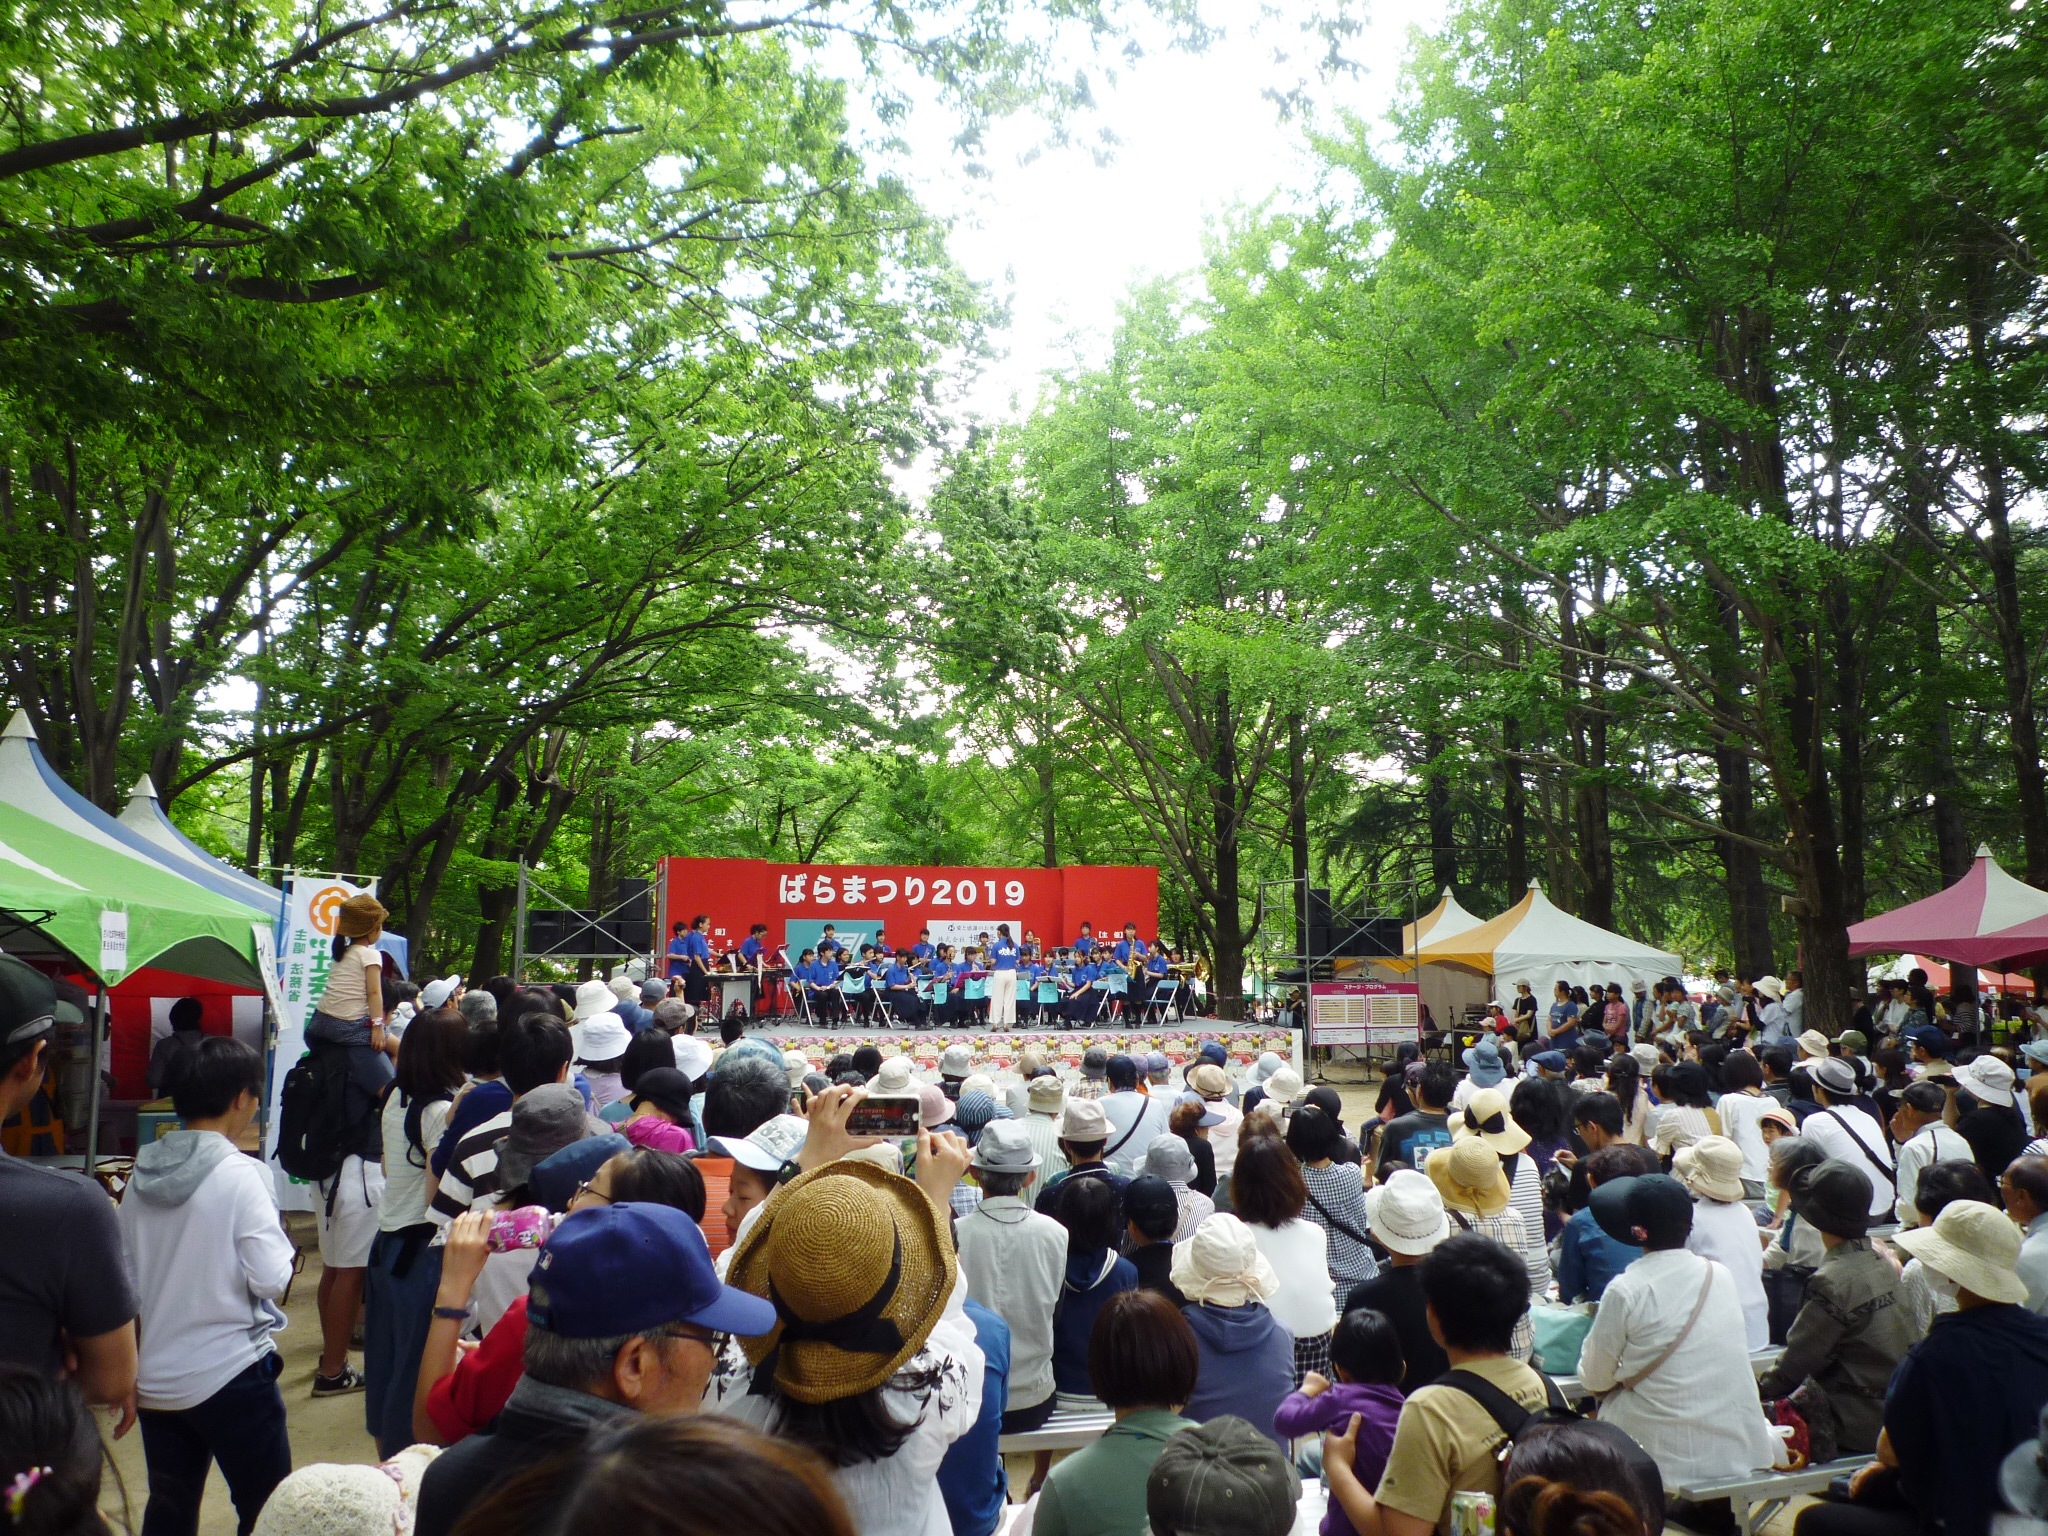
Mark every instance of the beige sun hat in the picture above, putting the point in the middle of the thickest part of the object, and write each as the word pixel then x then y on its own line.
pixel 1486 1116
pixel 1284 1086
pixel 1221 1264
pixel 1975 1245
pixel 1469 1176
pixel 1711 1166
pixel 1406 1213
pixel 859 1268
pixel 894 1077
pixel 1210 1081
pixel 1813 1043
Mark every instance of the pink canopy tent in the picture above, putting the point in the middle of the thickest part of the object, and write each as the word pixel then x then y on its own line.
pixel 1963 924
pixel 2024 944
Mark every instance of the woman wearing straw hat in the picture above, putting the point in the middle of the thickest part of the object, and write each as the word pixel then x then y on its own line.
pixel 872 1363
pixel 1489 1118
pixel 1474 1187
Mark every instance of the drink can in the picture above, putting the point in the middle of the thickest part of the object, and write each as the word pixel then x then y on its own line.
pixel 1471 1514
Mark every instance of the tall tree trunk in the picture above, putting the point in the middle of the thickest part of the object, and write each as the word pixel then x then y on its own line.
pixel 1443 828
pixel 1297 824
pixel 1594 833
pixel 2023 731
pixel 1048 798
pixel 1230 937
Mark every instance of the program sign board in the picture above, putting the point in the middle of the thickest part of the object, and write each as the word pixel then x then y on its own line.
pixel 1363 1013
pixel 897 901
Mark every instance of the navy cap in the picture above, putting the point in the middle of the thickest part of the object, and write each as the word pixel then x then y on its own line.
pixel 1550 1061
pixel 556 1177
pixel 1653 1203
pixel 1931 1039
pixel 632 1267
pixel 1212 1051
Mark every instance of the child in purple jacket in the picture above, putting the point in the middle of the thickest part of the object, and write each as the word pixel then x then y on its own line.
pixel 1365 1352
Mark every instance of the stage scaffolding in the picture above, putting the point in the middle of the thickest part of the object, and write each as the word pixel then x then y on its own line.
pixel 1328 943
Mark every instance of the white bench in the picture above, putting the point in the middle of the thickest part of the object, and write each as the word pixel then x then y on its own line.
pixel 1760 1362
pixel 1758 1497
pixel 1062 1432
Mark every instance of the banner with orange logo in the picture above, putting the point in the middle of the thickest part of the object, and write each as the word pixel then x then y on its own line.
pixel 305 956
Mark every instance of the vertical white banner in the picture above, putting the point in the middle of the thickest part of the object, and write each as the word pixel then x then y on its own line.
pixel 302 965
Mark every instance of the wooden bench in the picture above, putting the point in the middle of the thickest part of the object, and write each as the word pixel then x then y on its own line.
pixel 1760 1362
pixel 1062 1432
pixel 1759 1497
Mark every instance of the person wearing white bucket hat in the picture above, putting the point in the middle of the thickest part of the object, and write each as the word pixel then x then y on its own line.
pixel 1961 1399
pixel 1247 1358
pixel 1405 1216
pixel 1987 1113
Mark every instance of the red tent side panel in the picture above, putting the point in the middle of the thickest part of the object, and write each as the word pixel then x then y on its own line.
pixel 133 1006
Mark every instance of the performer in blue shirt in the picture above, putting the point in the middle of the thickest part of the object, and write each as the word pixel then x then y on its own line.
pixel 823 984
pixel 899 989
pixel 1084 1002
pixel 752 946
pixel 1159 979
pixel 1003 955
pixel 1130 949
pixel 695 949
pixel 678 952
pixel 922 949
pixel 1086 941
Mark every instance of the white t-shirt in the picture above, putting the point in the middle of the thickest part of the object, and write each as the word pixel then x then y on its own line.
pixel 1742 1122
pixel 1728 1234
pixel 405 1168
pixel 1299 1251
pixel 1844 1131
pixel 348 993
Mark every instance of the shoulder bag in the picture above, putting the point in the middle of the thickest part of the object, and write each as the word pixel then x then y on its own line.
pixel 1890 1175
pixel 1337 1222
pixel 1706 1289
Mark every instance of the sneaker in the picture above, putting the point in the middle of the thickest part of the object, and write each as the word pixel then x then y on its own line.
pixel 348 1379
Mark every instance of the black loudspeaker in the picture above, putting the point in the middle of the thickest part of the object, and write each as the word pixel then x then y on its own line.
pixel 1372 937
pixel 633 900
pixel 629 936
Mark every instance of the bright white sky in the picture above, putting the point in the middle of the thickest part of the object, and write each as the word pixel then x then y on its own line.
pixel 1064 238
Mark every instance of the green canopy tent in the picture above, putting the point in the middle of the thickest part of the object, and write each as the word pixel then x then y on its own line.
pixel 64 897
pixel 111 915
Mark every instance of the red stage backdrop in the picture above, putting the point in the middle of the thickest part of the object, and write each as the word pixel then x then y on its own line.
pixel 1053 903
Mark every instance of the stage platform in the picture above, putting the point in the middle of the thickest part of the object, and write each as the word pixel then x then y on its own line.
pixel 998 1050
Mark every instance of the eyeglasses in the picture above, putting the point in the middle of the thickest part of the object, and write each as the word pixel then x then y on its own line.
pixel 588 1187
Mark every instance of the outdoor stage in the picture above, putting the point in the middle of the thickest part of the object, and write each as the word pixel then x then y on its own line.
pixel 998 1050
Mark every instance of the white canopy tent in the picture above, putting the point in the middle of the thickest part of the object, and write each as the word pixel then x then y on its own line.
pixel 1447 990
pixel 1539 942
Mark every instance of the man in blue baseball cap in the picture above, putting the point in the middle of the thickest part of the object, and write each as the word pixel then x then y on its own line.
pixel 624 1315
